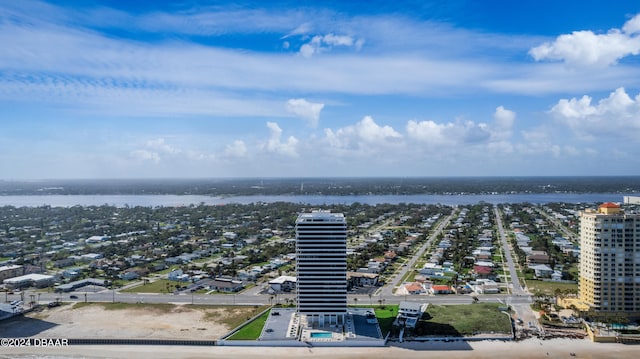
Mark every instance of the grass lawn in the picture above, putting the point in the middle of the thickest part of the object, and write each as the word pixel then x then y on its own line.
pixel 410 276
pixel 252 330
pixel 386 315
pixel 157 286
pixel 549 288
pixel 459 320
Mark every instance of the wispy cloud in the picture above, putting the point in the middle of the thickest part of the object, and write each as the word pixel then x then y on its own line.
pixel 168 81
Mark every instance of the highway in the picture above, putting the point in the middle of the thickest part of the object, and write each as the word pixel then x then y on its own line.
pixel 107 296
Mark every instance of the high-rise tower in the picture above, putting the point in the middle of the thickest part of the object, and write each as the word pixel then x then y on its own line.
pixel 610 262
pixel 321 251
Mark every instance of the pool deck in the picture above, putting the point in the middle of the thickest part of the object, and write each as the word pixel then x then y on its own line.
pixel 284 324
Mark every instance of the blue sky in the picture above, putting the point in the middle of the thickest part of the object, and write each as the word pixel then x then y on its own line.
pixel 137 89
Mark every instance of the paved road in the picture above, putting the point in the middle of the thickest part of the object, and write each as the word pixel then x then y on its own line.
pixel 520 300
pixel 387 290
pixel 567 232
pixel 107 296
pixel 515 281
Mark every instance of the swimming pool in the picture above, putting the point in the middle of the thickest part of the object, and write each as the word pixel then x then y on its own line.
pixel 320 335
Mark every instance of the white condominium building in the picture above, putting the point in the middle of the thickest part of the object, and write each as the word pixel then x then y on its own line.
pixel 321 249
pixel 610 262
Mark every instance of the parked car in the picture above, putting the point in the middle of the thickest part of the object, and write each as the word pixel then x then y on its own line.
pixel 73 296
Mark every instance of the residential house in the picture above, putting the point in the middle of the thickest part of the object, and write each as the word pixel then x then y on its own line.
pixel 542 270
pixel 430 269
pixel 538 257
pixel 440 289
pixel 227 285
pixel 482 271
pixel 175 274
pixel 283 284
pixel 556 276
pixel 360 279
pixel 410 312
pixel 486 286
pixel 480 254
pixel 414 288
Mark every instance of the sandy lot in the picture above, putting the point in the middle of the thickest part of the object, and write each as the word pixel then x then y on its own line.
pixel 182 322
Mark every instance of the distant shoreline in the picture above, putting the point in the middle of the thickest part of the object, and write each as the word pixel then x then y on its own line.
pixel 187 200
pixel 329 186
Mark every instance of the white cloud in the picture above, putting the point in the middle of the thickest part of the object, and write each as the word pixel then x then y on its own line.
pixel 428 132
pixel 448 134
pixel 307 50
pixel 617 115
pixel 504 118
pixel 161 146
pixel 632 26
pixel 364 138
pixel 369 131
pixel 274 144
pixel 321 43
pixel 585 48
pixel 337 40
pixel 237 149
pixel 156 150
pixel 574 108
pixel 145 155
pixel 309 111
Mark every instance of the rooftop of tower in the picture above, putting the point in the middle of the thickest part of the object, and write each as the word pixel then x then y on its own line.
pixel 323 216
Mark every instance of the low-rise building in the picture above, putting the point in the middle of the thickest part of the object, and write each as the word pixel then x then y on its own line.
pixel 542 270
pixel 486 286
pixel 441 289
pixel 538 257
pixel 226 285
pixel 29 280
pixel 11 271
pixel 78 284
pixel 282 284
pixel 414 288
pixel 361 279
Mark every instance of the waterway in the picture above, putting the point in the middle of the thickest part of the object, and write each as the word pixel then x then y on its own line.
pixel 186 200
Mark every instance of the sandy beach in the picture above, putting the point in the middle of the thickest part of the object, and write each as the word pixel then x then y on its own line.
pixel 532 348
pixel 183 322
